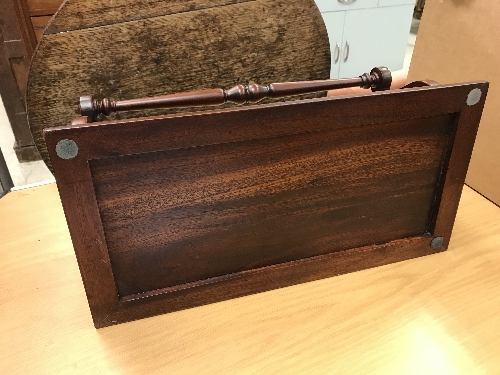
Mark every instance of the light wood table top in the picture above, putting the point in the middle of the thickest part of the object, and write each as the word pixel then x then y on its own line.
pixel 438 314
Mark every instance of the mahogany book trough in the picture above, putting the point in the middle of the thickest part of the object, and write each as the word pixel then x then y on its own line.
pixel 176 211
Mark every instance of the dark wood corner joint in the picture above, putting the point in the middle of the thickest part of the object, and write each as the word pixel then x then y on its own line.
pixel 378 79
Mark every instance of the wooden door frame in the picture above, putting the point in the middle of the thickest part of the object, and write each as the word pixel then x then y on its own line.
pixel 17 45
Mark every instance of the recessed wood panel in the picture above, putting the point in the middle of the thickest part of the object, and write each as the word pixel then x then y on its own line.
pixel 233 207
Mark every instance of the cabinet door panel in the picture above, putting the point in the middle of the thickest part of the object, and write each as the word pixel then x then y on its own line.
pixel 375 37
pixel 387 3
pixel 334 22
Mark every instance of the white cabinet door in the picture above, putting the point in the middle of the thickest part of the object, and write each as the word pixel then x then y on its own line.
pixel 374 37
pixel 390 3
pixel 334 22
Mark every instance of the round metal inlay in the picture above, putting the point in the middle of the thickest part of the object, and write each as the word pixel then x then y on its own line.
pixel 474 96
pixel 66 149
pixel 437 242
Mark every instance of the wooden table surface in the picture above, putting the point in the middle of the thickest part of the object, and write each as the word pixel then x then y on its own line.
pixel 438 314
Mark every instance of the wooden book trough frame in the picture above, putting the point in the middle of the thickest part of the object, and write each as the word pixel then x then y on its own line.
pixel 176 211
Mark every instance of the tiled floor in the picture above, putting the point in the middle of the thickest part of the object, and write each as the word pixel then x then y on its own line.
pixel 37 172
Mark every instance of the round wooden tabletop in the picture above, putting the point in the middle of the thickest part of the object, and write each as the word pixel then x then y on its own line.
pixel 124 50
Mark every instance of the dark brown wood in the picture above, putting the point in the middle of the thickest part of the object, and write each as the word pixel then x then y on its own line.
pixel 25 26
pixel 175 211
pixel 128 50
pixel 20 30
pixel 17 42
pixel 378 79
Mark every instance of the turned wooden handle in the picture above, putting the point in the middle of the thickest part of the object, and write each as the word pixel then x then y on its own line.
pixel 378 79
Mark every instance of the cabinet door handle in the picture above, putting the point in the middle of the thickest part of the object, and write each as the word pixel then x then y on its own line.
pixel 346 1
pixel 337 53
pixel 346 56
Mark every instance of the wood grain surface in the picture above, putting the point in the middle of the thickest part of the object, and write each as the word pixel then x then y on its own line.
pixel 116 50
pixel 185 215
pixel 438 314
pixel 77 14
pixel 174 211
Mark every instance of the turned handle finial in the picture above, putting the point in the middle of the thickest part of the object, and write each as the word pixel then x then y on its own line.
pixel 378 79
pixel 91 107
